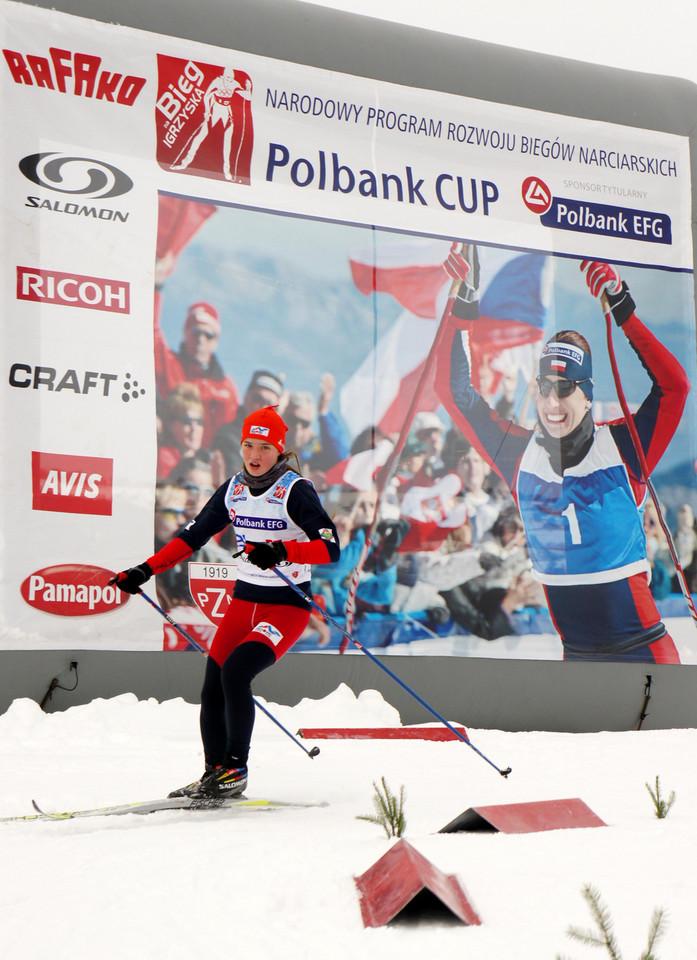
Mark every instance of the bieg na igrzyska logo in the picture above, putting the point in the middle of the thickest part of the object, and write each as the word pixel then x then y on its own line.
pixel 204 119
pixel 78 176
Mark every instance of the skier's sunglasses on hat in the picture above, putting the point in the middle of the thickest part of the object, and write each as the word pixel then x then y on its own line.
pixel 562 388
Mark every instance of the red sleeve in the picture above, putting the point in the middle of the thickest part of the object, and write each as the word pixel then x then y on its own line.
pixel 173 552
pixel 314 551
pixel 168 369
pixel 659 416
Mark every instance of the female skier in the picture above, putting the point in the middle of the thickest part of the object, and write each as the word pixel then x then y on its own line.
pixel 578 485
pixel 278 520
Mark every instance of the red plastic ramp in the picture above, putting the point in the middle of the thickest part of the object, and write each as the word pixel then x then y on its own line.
pixel 381 733
pixel 402 874
pixel 526 817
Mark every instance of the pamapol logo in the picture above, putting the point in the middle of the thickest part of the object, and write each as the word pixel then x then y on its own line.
pixel 204 119
pixel 64 483
pixel 78 176
pixel 72 590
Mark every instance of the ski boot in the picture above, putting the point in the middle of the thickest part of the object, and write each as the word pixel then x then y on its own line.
pixel 223 781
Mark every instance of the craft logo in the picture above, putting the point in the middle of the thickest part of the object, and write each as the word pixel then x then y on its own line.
pixel 72 290
pixel 72 590
pixel 81 177
pixel 204 121
pixel 280 492
pixel 79 74
pixel 71 484
pixel 28 376
pixel 602 219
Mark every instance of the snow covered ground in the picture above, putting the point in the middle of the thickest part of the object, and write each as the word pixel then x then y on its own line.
pixel 279 884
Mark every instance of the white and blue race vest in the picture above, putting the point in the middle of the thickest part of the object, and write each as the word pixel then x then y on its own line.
pixel 584 527
pixel 264 518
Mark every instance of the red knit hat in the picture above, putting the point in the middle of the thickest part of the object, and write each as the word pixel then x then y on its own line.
pixel 265 424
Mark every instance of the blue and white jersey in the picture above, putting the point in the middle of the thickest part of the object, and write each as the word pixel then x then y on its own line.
pixel 584 527
pixel 264 517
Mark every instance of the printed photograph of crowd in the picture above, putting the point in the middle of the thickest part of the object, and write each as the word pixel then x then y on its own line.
pixel 252 310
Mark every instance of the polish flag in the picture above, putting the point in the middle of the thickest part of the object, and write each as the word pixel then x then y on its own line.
pixel 513 302
pixel 360 470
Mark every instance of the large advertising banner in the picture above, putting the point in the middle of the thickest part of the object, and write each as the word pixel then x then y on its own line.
pixel 193 232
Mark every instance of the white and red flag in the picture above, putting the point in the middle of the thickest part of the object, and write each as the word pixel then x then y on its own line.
pixel 513 304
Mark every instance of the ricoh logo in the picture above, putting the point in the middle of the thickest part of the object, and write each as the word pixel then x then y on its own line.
pixel 72 590
pixel 62 483
pixel 81 177
pixel 79 74
pixel 73 290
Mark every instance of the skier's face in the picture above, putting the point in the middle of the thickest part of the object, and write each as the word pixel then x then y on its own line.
pixel 560 415
pixel 200 343
pixel 258 456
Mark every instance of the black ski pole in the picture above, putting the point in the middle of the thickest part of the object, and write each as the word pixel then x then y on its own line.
pixel 357 643
pixel 312 753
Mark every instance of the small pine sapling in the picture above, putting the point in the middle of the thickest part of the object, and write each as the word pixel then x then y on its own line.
pixel 661 806
pixel 389 810
pixel 604 936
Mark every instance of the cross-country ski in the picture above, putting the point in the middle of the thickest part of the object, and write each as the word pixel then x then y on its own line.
pixel 163 805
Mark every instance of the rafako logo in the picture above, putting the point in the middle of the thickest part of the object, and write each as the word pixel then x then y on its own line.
pixel 80 177
pixel 73 290
pixel 72 590
pixel 79 74
pixel 71 484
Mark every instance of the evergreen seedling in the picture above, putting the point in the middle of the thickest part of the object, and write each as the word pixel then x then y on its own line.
pixel 662 807
pixel 389 810
pixel 604 936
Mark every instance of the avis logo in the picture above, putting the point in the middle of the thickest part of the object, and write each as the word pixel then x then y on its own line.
pixel 72 590
pixel 71 484
pixel 204 119
pixel 72 290
pixel 537 196
pixel 78 176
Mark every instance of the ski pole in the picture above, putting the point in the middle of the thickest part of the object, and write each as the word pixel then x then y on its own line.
pixel 639 450
pixel 357 643
pixel 312 753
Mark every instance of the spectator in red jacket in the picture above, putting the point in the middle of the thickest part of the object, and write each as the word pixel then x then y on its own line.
pixel 197 363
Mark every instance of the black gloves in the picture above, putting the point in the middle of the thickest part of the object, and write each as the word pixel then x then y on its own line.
pixel 267 555
pixel 621 304
pixel 130 581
